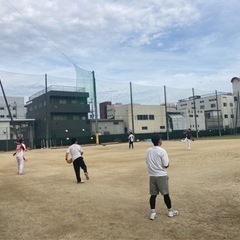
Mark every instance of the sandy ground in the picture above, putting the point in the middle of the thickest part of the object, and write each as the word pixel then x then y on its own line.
pixel 46 202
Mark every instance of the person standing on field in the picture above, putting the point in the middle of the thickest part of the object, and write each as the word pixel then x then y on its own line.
pixel 76 152
pixel 19 155
pixel 130 140
pixel 157 162
pixel 188 138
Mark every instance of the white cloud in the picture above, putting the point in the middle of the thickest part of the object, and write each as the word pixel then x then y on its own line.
pixel 180 43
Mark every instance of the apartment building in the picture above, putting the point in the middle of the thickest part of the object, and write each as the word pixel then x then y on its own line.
pixel 210 112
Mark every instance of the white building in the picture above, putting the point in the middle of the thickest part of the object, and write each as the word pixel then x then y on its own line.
pixel 16 106
pixel 140 119
pixel 211 111
pixel 108 126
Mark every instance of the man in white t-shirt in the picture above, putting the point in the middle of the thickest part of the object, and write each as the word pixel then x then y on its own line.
pixel 157 161
pixel 76 153
pixel 130 140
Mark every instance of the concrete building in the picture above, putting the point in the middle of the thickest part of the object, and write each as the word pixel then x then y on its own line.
pixel 212 111
pixel 145 118
pixel 108 126
pixel 16 106
pixel 60 113
pixel 103 109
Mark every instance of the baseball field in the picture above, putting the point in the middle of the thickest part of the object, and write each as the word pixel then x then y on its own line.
pixel 46 202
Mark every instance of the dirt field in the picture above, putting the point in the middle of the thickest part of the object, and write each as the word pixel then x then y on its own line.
pixel 46 202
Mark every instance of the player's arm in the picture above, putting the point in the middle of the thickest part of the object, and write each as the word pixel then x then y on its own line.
pixel 66 156
pixel 165 160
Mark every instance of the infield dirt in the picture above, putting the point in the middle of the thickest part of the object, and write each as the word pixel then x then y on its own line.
pixel 46 202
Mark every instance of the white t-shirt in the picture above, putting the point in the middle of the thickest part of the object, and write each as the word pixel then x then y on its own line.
pixel 157 159
pixel 131 138
pixel 75 150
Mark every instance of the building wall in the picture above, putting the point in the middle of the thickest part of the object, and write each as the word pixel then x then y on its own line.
pixel 16 105
pixel 103 109
pixel 225 104
pixel 146 118
pixel 5 130
pixel 108 127
pixel 65 113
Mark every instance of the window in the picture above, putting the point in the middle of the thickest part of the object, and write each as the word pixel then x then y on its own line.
pixel 1 116
pixel 213 105
pixel 151 117
pixel 231 104
pixel 115 123
pixel 144 128
pixel 1 108
pixel 75 118
pixel 190 115
pixel 62 101
pixel 142 117
pixel 232 115
pixel 224 104
pixel 225 116
pixel 202 107
pixel 162 127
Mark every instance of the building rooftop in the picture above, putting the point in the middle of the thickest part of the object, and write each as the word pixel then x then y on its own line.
pixel 57 88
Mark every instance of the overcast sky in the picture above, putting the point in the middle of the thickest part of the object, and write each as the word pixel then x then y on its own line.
pixel 177 43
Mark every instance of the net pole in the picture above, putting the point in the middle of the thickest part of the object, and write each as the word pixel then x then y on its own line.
pixel 46 99
pixel 195 112
pixel 219 129
pixel 9 112
pixel 131 98
pixel 95 106
pixel 165 99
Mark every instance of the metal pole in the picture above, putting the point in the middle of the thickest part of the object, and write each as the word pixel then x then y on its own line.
pixel 46 99
pixel 165 99
pixel 237 108
pixel 131 99
pixel 195 114
pixel 95 106
pixel 218 116
pixel 9 112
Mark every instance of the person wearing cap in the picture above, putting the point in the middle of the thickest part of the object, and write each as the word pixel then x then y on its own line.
pixel 19 155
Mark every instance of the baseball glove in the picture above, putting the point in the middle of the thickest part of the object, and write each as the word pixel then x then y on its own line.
pixel 69 161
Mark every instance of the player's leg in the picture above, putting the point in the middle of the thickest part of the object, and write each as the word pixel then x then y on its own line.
pixel 164 190
pixel 189 144
pixel 76 166
pixel 153 195
pixel 20 165
pixel 84 168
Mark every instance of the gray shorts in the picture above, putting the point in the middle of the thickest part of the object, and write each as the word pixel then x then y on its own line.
pixel 158 185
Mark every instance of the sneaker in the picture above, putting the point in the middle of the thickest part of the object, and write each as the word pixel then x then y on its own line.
pixel 82 181
pixel 172 213
pixel 153 216
pixel 86 175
